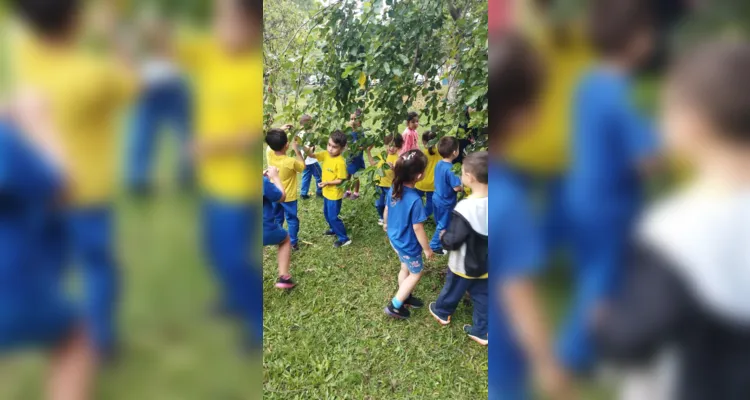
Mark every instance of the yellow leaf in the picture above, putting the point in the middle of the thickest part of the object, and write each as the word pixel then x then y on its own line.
pixel 362 80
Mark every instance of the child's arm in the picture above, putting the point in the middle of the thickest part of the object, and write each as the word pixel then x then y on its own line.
pixel 385 219
pixel 369 157
pixel 298 153
pixel 456 234
pixel 239 144
pixel 273 175
pixel 334 182
pixel 422 238
pixel 525 313
pixel 309 151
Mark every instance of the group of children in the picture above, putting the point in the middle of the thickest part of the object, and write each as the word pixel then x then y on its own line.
pixel 408 177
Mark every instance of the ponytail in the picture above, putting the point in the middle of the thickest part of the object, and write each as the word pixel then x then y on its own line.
pixel 426 138
pixel 410 165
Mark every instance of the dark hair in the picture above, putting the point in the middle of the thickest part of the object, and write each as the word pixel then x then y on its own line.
pixel 447 145
pixel 276 139
pixel 476 164
pixel 407 168
pixel 411 115
pixel 714 77
pixel 305 119
pixel 339 138
pixel 398 141
pixel 48 17
pixel 427 137
pixel 516 77
pixel 253 9
pixel 613 24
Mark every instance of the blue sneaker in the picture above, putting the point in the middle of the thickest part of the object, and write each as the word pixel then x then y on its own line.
pixel 442 321
pixel 479 339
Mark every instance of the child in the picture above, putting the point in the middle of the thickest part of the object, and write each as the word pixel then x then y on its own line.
pixel 426 187
pixel 165 100
pixel 466 239
pixel 356 161
pixel 334 174
pixel 404 223
pixel 520 346
pixel 312 167
pixel 228 66
pixel 393 144
pixel 288 169
pixel 34 312
pixel 612 148
pixel 411 137
pixel 684 309
pixel 86 94
pixel 273 234
pixel 447 184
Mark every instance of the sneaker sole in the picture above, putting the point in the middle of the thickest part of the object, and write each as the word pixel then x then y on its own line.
pixel 414 307
pixel 347 243
pixel 440 320
pixel 481 341
pixel 285 286
pixel 392 315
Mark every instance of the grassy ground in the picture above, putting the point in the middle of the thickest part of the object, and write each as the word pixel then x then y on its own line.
pixel 329 338
pixel 171 348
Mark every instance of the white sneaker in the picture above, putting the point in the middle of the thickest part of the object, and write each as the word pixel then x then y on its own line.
pixel 380 221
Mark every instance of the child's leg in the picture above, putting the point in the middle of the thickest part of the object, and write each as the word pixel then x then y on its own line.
pixel 72 369
pixel 402 274
pixel 428 207
pixel 318 174
pixel 452 293
pixel 407 285
pixel 355 186
pixel 285 257
pixel 326 211
pixel 180 113
pixel 290 211
pixel 337 225
pixel 442 218
pixel 478 291
pixel 306 178
pixel 143 132
pixel 91 233
pixel 380 201
pixel 278 214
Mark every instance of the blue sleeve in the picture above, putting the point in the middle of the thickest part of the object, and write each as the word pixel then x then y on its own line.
pixel 518 244
pixel 638 133
pixel 418 215
pixel 23 174
pixel 453 180
pixel 270 191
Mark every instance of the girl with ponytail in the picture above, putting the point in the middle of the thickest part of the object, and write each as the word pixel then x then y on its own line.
pixel 404 222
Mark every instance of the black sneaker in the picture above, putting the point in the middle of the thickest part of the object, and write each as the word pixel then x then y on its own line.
pixel 295 247
pixel 329 232
pixel 305 197
pixel 479 339
pixel 439 252
pixel 285 282
pixel 339 243
pixel 414 302
pixel 398 313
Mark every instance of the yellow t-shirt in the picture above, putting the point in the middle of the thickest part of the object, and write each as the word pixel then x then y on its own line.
pixel 288 169
pixel 387 180
pixel 544 148
pixel 333 168
pixel 228 92
pixel 427 184
pixel 86 94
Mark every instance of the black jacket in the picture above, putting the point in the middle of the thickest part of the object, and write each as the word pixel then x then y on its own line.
pixel 466 238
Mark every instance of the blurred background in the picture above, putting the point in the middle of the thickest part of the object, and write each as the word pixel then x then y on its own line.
pixel 172 345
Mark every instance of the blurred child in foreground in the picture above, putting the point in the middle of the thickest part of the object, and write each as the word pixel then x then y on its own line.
pixel 612 151
pixel 520 344
pixel 683 317
pixel 226 70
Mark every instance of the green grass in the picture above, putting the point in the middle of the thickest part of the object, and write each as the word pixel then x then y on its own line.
pixel 171 349
pixel 329 338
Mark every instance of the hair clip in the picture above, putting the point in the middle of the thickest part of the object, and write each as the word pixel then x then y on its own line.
pixel 408 156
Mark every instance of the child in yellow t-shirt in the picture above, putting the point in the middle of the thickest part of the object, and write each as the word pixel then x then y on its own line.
pixel 227 75
pixel 288 169
pixel 393 144
pixel 334 174
pixel 426 187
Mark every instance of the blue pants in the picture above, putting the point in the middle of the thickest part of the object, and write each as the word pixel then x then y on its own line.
pixel 452 293
pixel 288 209
pixel 380 201
pixel 428 206
pixel 168 103
pixel 507 367
pixel 312 170
pixel 554 222
pixel 230 243
pixel 599 250
pixel 331 211
pixel 91 232
pixel 442 219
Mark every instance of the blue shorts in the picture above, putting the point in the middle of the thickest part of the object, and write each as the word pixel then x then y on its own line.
pixel 35 323
pixel 274 236
pixel 355 164
pixel 413 263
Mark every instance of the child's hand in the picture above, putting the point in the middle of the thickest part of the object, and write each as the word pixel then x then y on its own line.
pixel 428 254
pixel 322 184
pixel 442 233
pixel 385 227
pixel 555 383
pixel 272 172
pixel 286 127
